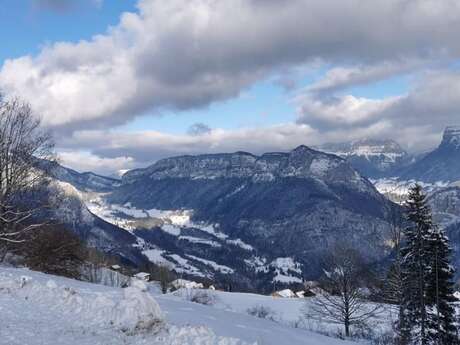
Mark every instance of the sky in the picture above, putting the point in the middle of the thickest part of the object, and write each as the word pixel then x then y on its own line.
pixel 123 83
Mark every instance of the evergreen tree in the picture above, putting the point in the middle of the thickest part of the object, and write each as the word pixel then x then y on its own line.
pixel 415 265
pixel 440 290
pixel 426 278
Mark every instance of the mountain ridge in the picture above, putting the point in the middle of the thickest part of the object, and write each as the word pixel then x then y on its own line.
pixel 441 164
pixel 304 201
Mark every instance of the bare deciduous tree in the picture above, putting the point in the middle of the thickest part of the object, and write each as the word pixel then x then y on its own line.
pixel 342 294
pixel 162 273
pixel 56 250
pixel 23 144
pixel 393 283
pixel 165 276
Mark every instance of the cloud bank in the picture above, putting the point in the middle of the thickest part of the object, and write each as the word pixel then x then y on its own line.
pixel 186 54
pixel 183 54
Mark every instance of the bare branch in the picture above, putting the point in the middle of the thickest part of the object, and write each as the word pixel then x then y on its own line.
pixel 22 145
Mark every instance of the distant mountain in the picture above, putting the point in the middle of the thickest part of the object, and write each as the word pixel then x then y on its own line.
pixel 371 157
pixel 249 213
pixel 442 164
pixel 86 181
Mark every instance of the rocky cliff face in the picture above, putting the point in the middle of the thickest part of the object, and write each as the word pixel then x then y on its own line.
pixel 451 138
pixel 301 163
pixel 372 158
pixel 442 164
pixel 297 204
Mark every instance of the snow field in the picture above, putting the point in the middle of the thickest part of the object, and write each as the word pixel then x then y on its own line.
pixel 40 309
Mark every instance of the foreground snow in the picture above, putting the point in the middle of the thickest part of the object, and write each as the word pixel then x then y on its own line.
pixel 290 312
pixel 36 308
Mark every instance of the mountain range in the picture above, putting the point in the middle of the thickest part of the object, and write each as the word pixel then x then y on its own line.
pixel 252 222
pixel 375 159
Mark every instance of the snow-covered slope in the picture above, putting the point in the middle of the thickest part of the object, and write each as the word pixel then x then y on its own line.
pixel 398 190
pixel 372 158
pixel 240 205
pixel 217 216
pixel 38 309
pixel 69 207
pixel 86 181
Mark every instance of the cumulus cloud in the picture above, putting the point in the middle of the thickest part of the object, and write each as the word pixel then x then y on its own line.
pixel 342 77
pixel 148 146
pixel 112 151
pixel 342 111
pixel 85 161
pixel 415 119
pixel 188 53
pixel 183 54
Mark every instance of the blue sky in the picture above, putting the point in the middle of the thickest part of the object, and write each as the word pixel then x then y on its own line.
pixel 28 25
pixel 33 26
pixel 263 103
pixel 258 75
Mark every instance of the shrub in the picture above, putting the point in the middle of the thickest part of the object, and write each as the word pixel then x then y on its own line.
pixel 200 296
pixel 55 250
pixel 262 312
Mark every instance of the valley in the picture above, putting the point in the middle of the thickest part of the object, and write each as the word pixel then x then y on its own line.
pixel 214 217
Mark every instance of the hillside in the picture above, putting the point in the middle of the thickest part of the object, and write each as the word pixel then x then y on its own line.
pixel 236 206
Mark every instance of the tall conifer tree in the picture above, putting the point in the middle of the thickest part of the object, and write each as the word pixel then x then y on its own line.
pixel 426 278
pixel 440 290
pixel 415 265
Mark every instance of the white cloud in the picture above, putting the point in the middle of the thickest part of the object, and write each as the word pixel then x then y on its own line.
pixel 188 53
pixel 342 111
pixel 85 161
pixel 415 119
pixel 339 78
pixel 147 146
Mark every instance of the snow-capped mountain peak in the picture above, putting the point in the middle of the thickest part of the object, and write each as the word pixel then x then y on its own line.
pixel 366 147
pixel 451 137
pixel 371 157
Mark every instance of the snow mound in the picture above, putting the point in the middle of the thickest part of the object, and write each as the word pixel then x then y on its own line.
pixel 38 308
pixel 286 293
pixel 199 335
pixel 137 311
